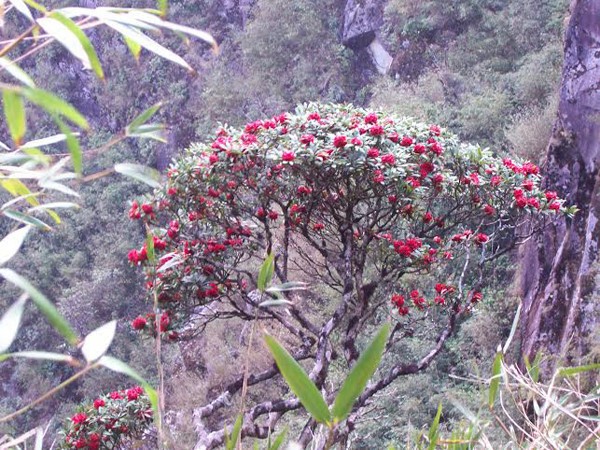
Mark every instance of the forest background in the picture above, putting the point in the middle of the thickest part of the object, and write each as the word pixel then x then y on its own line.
pixel 488 70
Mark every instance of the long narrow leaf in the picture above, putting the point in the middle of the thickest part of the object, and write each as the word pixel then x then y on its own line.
pixel 22 8
pixel 15 71
pixel 361 373
pixel 433 430
pixel 11 243
pixel 139 172
pixel 54 104
pixel 299 382
pixel 265 273
pixel 14 112
pixel 72 145
pixel 495 381
pixel 86 45
pixel 26 219
pixel 47 356
pixel 144 117
pixel 54 139
pixel 18 189
pixel 44 305
pixel 98 341
pixel 9 323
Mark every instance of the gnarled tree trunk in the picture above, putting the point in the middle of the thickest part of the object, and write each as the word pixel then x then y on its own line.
pixel 560 276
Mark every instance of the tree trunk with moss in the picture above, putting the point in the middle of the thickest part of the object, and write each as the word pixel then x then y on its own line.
pixel 561 280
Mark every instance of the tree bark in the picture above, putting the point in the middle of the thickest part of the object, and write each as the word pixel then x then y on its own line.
pixel 560 271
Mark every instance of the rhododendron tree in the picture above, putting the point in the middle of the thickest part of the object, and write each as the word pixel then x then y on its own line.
pixel 386 218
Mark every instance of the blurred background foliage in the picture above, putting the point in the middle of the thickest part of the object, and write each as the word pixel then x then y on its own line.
pixel 487 69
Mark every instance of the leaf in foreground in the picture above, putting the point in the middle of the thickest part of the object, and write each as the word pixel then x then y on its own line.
pixel 9 323
pixel 98 341
pixel 361 373
pixel 299 382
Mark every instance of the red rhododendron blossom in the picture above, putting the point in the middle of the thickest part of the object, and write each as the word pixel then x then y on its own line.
pixel 79 418
pixel 476 297
pixel 288 156
pixel 528 185
pixel 99 403
pixel 489 210
pixel 419 149
pixel 340 141
pixel 376 130
pixel 436 148
pixel 425 169
pixel 372 153
pixel 318 226
pixel 388 159
pixel 378 176
pixel 554 206
pixel 134 212
pixel 481 238
pixel 551 195
pixel 139 323
pixel 307 139
pixel 406 141
pixel 356 141
pixel 134 393
pixel 371 118
pixel 148 209
pixel 273 215
pixel 496 180
pixel 427 217
pixel 435 130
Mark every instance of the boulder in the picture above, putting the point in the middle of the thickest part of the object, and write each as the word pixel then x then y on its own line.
pixel 362 20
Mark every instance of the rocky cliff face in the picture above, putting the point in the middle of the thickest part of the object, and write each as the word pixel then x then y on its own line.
pixel 560 273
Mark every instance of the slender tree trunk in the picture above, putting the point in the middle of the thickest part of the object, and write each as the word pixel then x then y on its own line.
pixel 561 280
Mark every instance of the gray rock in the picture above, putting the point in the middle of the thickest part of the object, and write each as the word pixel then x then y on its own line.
pixel 362 20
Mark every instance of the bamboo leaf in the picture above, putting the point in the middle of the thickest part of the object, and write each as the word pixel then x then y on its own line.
pixel 10 245
pixel 48 356
pixel 14 112
pixel 495 381
pixel 143 117
pixel 273 302
pixel 54 205
pixel 148 43
pixel 361 373
pixel 133 47
pixel 9 323
pixel 570 371
pixel 98 341
pixel 43 304
pixel 17 189
pixel 433 430
pixel 54 139
pixel 53 185
pixel 299 382
pixel 55 105
pixel 278 442
pixel 26 219
pixel 16 72
pixel 265 273
pixel 90 54
pixel 235 433
pixel 163 7
pixel 513 329
pixel 289 286
pixel 22 8
pixel 141 173
pixel 150 248
pixel 72 145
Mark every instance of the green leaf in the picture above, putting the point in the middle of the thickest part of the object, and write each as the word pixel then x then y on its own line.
pixel 15 71
pixel 22 8
pixel 54 139
pixel 235 433
pixel 141 173
pixel 278 442
pixel 9 323
pixel 148 43
pixel 278 302
pixel 55 105
pixel 299 382
pixel 289 286
pixel 72 145
pixel 44 305
pixel 361 373
pixel 14 111
pixel 163 7
pixel 133 47
pixel 54 205
pixel 496 376
pixel 17 188
pixel 119 366
pixel 98 341
pixel 154 131
pixel 10 245
pixel 26 219
pixel 513 329
pixel 433 430
pixel 48 356
pixel 266 272
pixel 53 185
pixel 570 371
pixel 150 248
pixel 143 117
pixel 91 58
